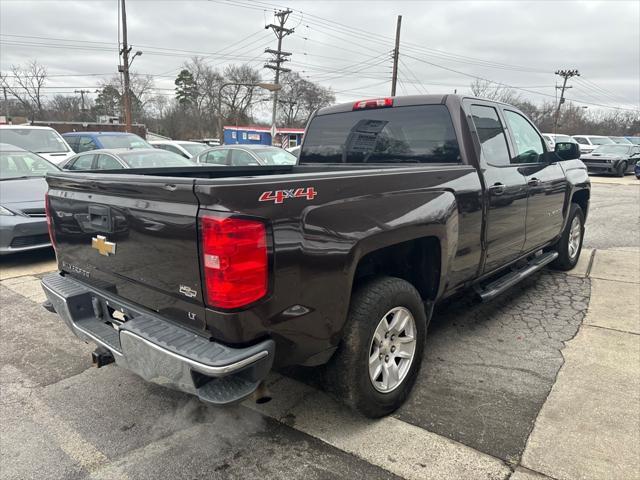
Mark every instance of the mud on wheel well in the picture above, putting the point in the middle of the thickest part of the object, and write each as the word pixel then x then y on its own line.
pixel 581 197
pixel 416 261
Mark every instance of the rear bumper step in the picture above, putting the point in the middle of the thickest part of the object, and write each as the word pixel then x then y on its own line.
pixel 495 288
pixel 158 350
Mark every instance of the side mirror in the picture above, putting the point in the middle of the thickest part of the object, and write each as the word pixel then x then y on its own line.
pixel 567 150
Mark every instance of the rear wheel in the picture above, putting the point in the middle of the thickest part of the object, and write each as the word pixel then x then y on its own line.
pixel 376 365
pixel 622 169
pixel 570 244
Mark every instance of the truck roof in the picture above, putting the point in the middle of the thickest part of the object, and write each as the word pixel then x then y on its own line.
pixel 405 101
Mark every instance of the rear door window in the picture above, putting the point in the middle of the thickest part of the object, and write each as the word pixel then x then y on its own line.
pixel 83 162
pixel 491 135
pixel 107 162
pixel 416 134
pixel 240 158
pixel 217 157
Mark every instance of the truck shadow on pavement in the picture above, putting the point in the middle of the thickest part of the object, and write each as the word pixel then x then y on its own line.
pixel 489 368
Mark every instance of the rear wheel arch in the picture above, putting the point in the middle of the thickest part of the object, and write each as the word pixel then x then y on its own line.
pixel 418 261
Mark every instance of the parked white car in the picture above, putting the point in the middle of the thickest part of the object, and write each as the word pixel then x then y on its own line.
pixel 44 141
pixel 588 143
pixel 553 138
pixel 182 147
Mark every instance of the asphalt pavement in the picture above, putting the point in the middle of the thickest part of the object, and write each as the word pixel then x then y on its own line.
pixel 540 383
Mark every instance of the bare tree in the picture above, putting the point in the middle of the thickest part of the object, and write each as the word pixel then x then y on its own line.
pixel 238 98
pixel 26 83
pixel 493 91
pixel 141 91
pixel 299 98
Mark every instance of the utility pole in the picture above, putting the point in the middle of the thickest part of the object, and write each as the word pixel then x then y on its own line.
pixel 396 53
pixel 566 75
pixel 279 57
pixel 124 68
pixel 82 93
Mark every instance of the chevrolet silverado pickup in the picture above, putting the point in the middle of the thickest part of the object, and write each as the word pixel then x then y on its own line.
pixel 204 279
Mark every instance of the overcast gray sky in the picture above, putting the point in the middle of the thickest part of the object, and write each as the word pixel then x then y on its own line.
pixel 344 45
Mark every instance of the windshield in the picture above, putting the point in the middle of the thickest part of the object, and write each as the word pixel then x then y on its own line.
pixel 600 140
pixel 34 139
pixel 421 134
pixel 123 141
pixel 276 156
pixel 616 149
pixel 634 140
pixel 194 148
pixel 156 158
pixel 23 164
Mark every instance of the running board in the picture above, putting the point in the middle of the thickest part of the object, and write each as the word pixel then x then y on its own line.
pixel 495 288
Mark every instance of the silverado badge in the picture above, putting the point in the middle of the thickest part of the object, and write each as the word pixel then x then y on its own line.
pixel 104 247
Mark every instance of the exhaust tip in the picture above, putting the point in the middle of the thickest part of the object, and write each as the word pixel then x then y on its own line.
pixel 262 394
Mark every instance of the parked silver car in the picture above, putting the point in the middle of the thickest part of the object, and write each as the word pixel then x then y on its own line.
pixel 23 222
pixel 118 158
pixel 245 155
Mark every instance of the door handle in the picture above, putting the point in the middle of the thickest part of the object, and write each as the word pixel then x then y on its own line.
pixel 533 182
pixel 497 188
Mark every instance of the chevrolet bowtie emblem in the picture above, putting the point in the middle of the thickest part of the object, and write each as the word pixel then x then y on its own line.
pixel 105 248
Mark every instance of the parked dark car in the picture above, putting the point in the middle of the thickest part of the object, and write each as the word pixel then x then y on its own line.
pixel 395 205
pixel 23 223
pixel 637 170
pixel 115 159
pixel 245 155
pixel 85 141
pixel 616 159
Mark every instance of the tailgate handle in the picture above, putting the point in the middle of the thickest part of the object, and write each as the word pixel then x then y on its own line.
pixel 100 217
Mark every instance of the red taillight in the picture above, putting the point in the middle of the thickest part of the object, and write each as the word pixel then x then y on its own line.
pixel 234 255
pixel 373 103
pixel 47 209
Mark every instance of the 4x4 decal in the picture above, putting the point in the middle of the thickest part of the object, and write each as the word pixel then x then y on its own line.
pixel 279 196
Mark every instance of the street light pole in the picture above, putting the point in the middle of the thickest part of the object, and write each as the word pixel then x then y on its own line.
pixel 267 86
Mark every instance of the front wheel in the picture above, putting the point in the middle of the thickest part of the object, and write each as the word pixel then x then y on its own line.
pixel 622 169
pixel 378 361
pixel 570 244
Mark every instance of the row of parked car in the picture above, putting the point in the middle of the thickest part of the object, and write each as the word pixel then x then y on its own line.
pixel 27 153
pixel 614 155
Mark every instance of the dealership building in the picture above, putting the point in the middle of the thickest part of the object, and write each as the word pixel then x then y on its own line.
pixel 285 137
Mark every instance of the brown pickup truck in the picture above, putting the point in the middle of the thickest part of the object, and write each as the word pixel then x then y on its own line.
pixel 205 278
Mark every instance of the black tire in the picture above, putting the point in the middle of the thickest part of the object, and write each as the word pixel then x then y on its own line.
pixel 622 169
pixel 565 261
pixel 348 371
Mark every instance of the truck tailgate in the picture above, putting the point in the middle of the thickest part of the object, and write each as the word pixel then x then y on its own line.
pixel 131 235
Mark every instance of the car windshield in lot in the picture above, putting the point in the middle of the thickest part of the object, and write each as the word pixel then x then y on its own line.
pixel 617 149
pixel 275 156
pixel 156 158
pixel 416 134
pixel 123 141
pixel 563 138
pixel 34 139
pixel 600 140
pixel 194 148
pixel 23 164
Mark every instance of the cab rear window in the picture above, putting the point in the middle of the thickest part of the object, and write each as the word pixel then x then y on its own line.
pixel 416 134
